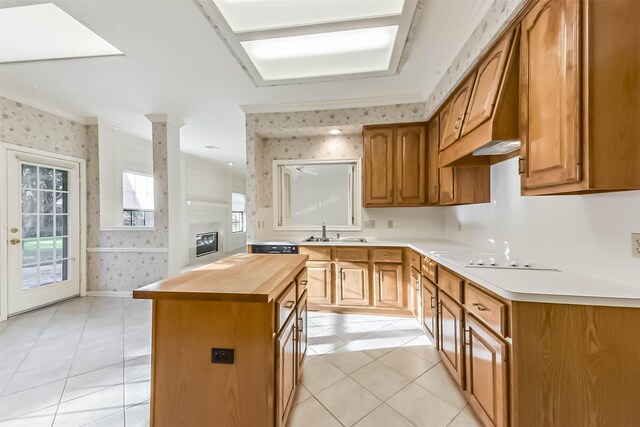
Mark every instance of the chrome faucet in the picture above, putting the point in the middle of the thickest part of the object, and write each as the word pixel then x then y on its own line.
pixel 324 231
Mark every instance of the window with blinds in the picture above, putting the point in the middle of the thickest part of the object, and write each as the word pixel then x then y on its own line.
pixel 137 199
pixel 238 213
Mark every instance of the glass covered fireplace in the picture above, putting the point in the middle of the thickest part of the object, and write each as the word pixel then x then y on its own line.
pixel 206 243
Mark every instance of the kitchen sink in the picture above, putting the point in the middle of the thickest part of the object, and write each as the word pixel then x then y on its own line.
pixel 336 239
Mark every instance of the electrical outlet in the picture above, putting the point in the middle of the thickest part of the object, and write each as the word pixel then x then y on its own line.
pixel 222 355
pixel 370 223
pixel 389 223
pixel 635 245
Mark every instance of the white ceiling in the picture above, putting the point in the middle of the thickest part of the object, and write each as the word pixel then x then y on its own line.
pixel 175 63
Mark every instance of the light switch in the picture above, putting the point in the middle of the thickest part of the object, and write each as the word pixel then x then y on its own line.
pixel 635 245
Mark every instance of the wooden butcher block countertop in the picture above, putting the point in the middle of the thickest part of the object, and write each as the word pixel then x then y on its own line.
pixel 242 278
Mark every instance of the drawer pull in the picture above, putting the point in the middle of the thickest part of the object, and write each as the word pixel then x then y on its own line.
pixel 480 307
pixel 433 302
pixel 289 304
pixel 304 282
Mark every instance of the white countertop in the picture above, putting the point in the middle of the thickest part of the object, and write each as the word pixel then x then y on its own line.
pixel 560 287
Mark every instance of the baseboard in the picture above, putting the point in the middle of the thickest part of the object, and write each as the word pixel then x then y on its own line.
pixel 121 294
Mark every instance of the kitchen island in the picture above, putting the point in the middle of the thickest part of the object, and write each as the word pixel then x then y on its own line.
pixel 228 342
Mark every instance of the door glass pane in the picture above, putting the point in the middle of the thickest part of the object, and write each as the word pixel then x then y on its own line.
pixel 29 276
pixel 46 225
pixel 61 225
pixel 62 270
pixel 46 249
pixel 29 176
pixel 46 274
pixel 30 251
pixel 61 202
pixel 45 179
pixel 61 248
pixel 46 201
pixel 29 226
pixel 61 180
pixel 29 201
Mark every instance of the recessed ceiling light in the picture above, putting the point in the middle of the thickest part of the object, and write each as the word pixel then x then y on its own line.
pixel 335 131
pixel 323 54
pixel 231 163
pixel 253 15
pixel 212 147
pixel 44 31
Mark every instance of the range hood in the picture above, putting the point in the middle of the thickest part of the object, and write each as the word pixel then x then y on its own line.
pixel 495 136
pixel 498 148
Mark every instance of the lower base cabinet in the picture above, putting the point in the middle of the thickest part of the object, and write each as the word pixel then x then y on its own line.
pixel 450 336
pixel 319 282
pixel 486 374
pixel 387 288
pixel 352 283
pixel 430 309
pixel 286 368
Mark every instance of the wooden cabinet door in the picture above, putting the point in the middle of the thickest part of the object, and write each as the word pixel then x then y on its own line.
pixel 550 94
pixel 387 288
pixel 486 374
pixel 411 165
pixel 485 89
pixel 433 175
pixel 447 186
pixel 430 309
pixel 450 133
pixel 287 370
pixel 319 285
pixel 415 303
pixel 302 328
pixel 450 329
pixel 352 283
pixel 378 166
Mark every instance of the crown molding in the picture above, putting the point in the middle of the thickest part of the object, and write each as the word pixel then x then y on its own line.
pixel 334 104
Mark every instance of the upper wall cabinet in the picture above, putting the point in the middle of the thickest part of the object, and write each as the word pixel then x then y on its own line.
pixel 484 109
pixel 580 97
pixel 395 165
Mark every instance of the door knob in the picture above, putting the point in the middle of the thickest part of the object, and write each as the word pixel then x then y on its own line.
pixel 14 241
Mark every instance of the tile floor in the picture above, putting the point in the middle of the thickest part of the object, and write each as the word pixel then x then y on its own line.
pixel 87 362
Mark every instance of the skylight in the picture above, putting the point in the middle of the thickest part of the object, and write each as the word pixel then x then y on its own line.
pixel 323 54
pixel 253 15
pixel 44 31
pixel 296 41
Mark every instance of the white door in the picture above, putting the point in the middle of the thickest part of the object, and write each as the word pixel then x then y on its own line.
pixel 43 229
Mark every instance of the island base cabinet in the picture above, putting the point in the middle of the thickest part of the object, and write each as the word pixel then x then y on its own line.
pixel 286 369
pixel 486 374
pixel 450 329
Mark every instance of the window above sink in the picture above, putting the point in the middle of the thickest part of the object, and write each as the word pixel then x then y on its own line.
pixel 308 193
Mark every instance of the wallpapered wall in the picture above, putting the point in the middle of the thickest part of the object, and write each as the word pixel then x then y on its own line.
pixel 256 147
pixel 29 127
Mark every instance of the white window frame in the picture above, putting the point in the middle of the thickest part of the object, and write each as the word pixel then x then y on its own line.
pixel 280 223
pixel 133 227
pixel 244 213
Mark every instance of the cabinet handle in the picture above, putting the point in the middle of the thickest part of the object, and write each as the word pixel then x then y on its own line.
pixel 433 302
pixel 289 304
pixel 520 166
pixel 381 277
pixel 466 340
pixel 344 276
pixel 480 307
pixel 440 308
pixel 457 125
pixel 304 282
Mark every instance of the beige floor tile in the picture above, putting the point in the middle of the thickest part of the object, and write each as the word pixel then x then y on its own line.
pixel 422 408
pixel 25 402
pixel 318 374
pixel 41 418
pixel 384 416
pixel 325 343
pixel 302 394
pixel 466 418
pixel 406 363
pixel 311 413
pixel 424 348
pixel 438 381
pixel 380 380
pixel 348 401
pixel 348 361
